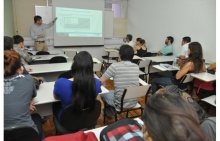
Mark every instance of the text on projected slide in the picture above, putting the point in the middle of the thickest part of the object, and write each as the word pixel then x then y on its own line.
pixel 74 22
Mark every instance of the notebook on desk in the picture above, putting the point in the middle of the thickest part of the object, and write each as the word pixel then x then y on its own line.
pixel 169 67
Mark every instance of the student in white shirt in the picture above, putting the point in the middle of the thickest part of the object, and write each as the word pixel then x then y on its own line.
pixel 184 50
pixel 129 40
pixel 185 43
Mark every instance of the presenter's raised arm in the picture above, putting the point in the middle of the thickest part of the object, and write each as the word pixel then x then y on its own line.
pixel 54 20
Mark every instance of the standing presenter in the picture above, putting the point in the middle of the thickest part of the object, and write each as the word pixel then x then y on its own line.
pixel 38 30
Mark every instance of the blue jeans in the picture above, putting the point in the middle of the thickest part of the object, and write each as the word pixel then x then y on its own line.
pixel 163 81
pixel 110 100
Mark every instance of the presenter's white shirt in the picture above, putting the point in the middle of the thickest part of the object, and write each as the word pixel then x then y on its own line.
pixel 184 50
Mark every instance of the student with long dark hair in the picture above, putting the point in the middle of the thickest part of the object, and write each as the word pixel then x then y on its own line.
pixel 81 90
pixel 194 64
pixel 170 118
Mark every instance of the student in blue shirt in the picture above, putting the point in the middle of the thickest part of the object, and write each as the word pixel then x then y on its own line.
pixel 168 48
pixel 82 89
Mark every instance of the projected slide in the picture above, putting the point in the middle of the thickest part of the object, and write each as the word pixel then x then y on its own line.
pixel 78 22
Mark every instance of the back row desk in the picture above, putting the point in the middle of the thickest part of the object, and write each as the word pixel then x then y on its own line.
pixel 156 60
pixel 52 71
pixel 44 99
pixel 204 76
pixel 160 59
pixel 134 58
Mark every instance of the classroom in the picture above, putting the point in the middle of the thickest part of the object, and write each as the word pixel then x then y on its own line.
pixel 95 31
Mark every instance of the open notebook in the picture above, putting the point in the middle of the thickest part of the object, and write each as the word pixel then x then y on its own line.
pixel 169 67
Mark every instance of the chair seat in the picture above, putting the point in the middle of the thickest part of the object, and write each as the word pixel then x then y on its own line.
pixel 141 72
pixel 71 122
pixel 20 133
pixel 136 106
pixel 129 93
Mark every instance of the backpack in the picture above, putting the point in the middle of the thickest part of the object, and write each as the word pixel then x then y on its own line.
pixel 125 129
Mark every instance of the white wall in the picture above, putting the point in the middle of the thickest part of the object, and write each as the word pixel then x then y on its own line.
pixel 154 20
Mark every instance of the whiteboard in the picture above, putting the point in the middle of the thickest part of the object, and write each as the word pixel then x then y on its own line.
pixel 108 24
pixel 46 13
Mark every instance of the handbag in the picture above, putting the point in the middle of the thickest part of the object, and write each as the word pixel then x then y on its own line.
pixel 37 83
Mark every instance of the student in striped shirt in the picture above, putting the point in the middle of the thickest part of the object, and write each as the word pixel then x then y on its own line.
pixel 125 74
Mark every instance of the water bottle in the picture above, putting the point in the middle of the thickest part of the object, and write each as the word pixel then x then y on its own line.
pixel 174 62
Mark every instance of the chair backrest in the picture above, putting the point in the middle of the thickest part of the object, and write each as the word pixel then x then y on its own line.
pixel 58 59
pixel 87 119
pixel 187 78
pixel 169 54
pixel 135 91
pixel 67 74
pixel 42 53
pixel 145 64
pixel 20 133
pixel 113 54
pixel 97 67
pixel 30 53
pixel 70 54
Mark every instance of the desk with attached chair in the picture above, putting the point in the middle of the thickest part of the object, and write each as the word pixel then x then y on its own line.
pixel 44 99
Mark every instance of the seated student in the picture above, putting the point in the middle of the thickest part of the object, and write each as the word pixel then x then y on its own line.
pixel 208 124
pixel 175 90
pixel 125 73
pixel 140 47
pixel 128 40
pixel 168 48
pixel 82 89
pixel 194 64
pixel 184 51
pixel 19 48
pixel 18 92
pixel 170 118
pixel 137 43
pixel 8 45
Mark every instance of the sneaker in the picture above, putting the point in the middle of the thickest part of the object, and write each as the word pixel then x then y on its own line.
pixel 43 120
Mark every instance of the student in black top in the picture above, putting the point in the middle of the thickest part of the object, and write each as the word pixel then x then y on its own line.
pixel 140 47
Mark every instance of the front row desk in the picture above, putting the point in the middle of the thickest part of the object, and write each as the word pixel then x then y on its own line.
pixel 52 71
